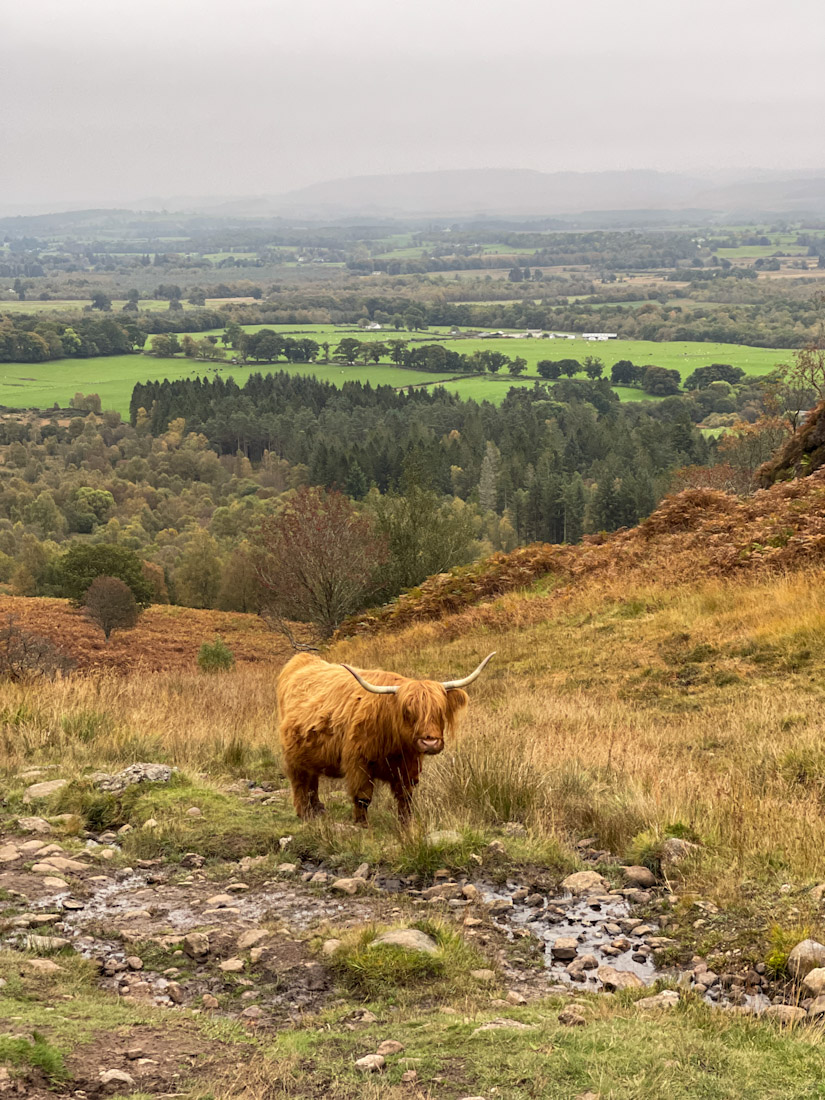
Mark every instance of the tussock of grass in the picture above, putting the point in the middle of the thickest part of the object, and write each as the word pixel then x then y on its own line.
pixel 386 971
pixel 37 1053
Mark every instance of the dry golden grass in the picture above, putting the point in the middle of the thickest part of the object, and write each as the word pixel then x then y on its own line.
pixel 626 712
pixel 203 722
pixel 165 637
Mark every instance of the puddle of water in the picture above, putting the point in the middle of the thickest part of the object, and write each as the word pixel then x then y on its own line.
pixel 583 919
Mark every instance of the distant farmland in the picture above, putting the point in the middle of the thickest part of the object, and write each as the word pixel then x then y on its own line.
pixel 40 385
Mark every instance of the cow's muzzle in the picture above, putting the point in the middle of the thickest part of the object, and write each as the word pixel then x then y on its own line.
pixel 429 746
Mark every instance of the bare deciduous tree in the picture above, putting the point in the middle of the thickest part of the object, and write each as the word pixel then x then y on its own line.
pixel 23 654
pixel 317 560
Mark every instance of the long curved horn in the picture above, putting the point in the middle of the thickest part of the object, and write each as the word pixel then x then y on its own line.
pixel 377 689
pixel 450 684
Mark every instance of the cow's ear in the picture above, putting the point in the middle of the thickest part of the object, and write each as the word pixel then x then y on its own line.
pixel 457 700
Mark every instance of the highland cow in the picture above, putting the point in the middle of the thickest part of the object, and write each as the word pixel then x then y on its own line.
pixel 361 726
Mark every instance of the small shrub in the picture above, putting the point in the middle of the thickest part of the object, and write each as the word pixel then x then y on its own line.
pixel 492 782
pixel 803 766
pixel 215 657
pixel 24 655
pixel 645 850
pixel 782 941
pixel 236 753
pixel 106 810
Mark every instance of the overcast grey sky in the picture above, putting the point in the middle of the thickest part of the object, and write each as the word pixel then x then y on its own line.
pixel 116 100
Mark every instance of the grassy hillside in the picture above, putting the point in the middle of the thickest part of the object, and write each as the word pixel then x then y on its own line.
pixel 693 535
pixel 165 638
pixel 667 682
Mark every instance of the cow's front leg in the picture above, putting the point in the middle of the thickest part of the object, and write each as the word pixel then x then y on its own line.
pixel 305 794
pixel 360 787
pixel 315 804
pixel 402 785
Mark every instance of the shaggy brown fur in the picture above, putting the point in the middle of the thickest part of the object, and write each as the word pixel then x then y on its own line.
pixel 331 726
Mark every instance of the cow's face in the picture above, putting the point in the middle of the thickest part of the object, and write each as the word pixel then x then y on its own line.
pixel 427 712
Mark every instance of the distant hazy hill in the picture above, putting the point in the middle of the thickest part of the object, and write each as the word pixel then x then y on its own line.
pixel 523 192
pixel 606 198
pixel 777 195
pixel 490 191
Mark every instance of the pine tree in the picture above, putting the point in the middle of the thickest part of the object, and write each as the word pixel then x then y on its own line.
pixel 487 486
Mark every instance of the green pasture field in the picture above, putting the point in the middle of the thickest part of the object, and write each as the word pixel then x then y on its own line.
pixel 407 250
pixel 40 385
pixel 754 251
pixel 496 301
pixel 63 305
pixel 684 356
pixel 410 252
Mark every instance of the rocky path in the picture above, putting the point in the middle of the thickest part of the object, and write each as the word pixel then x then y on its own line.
pixel 242 944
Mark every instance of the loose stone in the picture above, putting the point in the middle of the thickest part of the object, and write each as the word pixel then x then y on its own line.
pixel 388 1047
pixel 116 1077
pixel 641 877
pixel 410 938
pixel 668 998
pixel 500 905
pixel 486 976
pixel 218 901
pixel 33 825
pixel 371 1063
pixel 806 956
pixel 252 938
pixel 785 1014
pixel 613 979
pixel 349 886
pixel 565 947
pixel 814 980
pixel 196 946
pixel 43 966
pixel 43 790
pixel 585 882
pixel 571 1017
